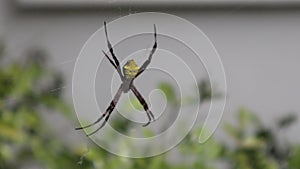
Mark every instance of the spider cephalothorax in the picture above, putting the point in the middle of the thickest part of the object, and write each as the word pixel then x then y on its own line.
pixel 131 71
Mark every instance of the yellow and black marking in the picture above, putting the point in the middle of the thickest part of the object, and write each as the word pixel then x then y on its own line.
pixel 130 69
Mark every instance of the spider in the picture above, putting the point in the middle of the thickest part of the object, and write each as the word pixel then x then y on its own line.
pixel 130 72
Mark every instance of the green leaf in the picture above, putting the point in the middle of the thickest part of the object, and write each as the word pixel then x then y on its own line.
pixel 232 131
pixel 169 91
pixel 132 104
pixel 294 159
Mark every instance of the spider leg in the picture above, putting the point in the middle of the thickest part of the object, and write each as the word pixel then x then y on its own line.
pixel 147 62
pixel 97 121
pixel 114 65
pixel 143 103
pixel 107 112
pixel 102 125
pixel 112 52
pixel 111 61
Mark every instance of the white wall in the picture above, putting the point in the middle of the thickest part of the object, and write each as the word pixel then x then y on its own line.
pixel 259 49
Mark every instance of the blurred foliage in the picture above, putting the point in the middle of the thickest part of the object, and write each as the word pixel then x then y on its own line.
pixel 169 92
pixel 28 88
pixel 258 146
pixel 205 156
pixel 206 91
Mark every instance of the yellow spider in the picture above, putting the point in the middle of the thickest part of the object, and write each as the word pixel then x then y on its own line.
pixel 131 71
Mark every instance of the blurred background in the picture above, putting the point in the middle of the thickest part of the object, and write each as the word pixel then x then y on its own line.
pixel 258 42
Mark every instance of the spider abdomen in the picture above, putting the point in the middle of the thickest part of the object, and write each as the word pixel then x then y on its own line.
pixel 130 69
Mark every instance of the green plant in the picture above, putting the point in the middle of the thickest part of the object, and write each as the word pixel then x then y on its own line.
pixel 258 146
pixel 28 88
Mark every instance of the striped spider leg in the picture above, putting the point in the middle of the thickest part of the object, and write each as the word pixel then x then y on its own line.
pixel 107 113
